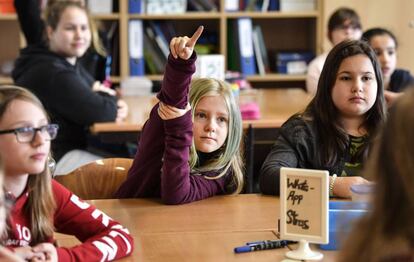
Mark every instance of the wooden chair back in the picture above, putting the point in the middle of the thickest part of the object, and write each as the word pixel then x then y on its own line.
pixel 97 180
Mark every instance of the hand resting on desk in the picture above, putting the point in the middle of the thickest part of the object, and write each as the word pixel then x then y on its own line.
pixel 342 186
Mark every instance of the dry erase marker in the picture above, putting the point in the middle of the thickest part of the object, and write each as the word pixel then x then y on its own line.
pixel 269 241
pixel 265 245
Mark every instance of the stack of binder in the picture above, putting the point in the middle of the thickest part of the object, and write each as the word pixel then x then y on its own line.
pixel 135 6
pixel 135 48
pixel 241 54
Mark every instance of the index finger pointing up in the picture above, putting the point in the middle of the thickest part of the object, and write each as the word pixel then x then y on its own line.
pixel 196 36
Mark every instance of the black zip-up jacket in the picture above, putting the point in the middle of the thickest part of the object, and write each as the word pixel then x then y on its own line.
pixel 400 80
pixel 66 92
pixel 33 27
pixel 296 146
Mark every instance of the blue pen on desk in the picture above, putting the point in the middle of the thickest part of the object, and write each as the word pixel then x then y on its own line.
pixel 261 245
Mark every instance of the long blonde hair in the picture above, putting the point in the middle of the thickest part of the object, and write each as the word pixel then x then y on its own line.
pixel 230 156
pixel 54 11
pixel 41 204
pixel 388 231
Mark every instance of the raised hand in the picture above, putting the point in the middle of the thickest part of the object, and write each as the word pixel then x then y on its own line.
pixel 183 46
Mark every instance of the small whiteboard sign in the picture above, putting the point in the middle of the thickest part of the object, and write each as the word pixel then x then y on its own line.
pixel 304 204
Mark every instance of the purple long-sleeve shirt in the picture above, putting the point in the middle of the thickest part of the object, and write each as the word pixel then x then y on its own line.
pixel 161 167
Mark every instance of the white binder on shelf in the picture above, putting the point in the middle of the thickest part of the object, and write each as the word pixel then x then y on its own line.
pixel 231 5
pixel 245 34
pixel 135 48
pixel 211 66
pixel 258 55
pixel 297 5
pixel 165 6
pixel 100 6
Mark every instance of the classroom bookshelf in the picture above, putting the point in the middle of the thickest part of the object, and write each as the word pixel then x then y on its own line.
pixel 282 31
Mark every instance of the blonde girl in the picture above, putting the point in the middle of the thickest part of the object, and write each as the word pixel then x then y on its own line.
pixel 190 147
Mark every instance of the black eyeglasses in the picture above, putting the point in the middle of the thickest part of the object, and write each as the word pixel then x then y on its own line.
pixel 27 134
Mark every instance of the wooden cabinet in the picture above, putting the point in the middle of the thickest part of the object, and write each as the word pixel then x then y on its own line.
pixel 283 31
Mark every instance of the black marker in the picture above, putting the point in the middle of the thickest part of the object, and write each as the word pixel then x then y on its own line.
pixel 261 245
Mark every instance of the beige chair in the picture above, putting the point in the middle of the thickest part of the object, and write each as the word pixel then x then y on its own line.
pixel 97 180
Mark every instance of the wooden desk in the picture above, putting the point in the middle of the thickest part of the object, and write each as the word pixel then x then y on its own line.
pixel 216 214
pixel 206 230
pixel 276 106
pixel 193 246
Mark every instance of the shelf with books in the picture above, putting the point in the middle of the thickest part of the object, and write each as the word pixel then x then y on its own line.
pixel 186 16
pixel 158 33
pixel 282 31
pixel 278 35
pixel 273 14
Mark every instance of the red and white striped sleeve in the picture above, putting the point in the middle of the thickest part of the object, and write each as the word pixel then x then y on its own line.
pixel 103 239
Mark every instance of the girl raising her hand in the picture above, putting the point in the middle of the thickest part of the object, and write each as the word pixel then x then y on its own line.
pixel 190 145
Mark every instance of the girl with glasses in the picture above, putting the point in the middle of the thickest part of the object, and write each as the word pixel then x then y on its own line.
pixel 343 24
pixel 28 134
pixel 41 205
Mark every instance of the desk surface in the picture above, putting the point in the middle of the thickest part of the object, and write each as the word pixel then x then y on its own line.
pixel 206 230
pixel 276 106
pixel 239 213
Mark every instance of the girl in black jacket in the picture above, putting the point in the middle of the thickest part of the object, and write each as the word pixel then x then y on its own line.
pixel 64 86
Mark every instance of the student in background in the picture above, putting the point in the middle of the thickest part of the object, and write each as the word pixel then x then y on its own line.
pixel 40 204
pixel 33 27
pixel 337 127
pixel 343 24
pixel 64 87
pixel 190 147
pixel 386 233
pixel 385 46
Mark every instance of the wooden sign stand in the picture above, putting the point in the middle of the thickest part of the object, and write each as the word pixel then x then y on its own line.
pixel 304 206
